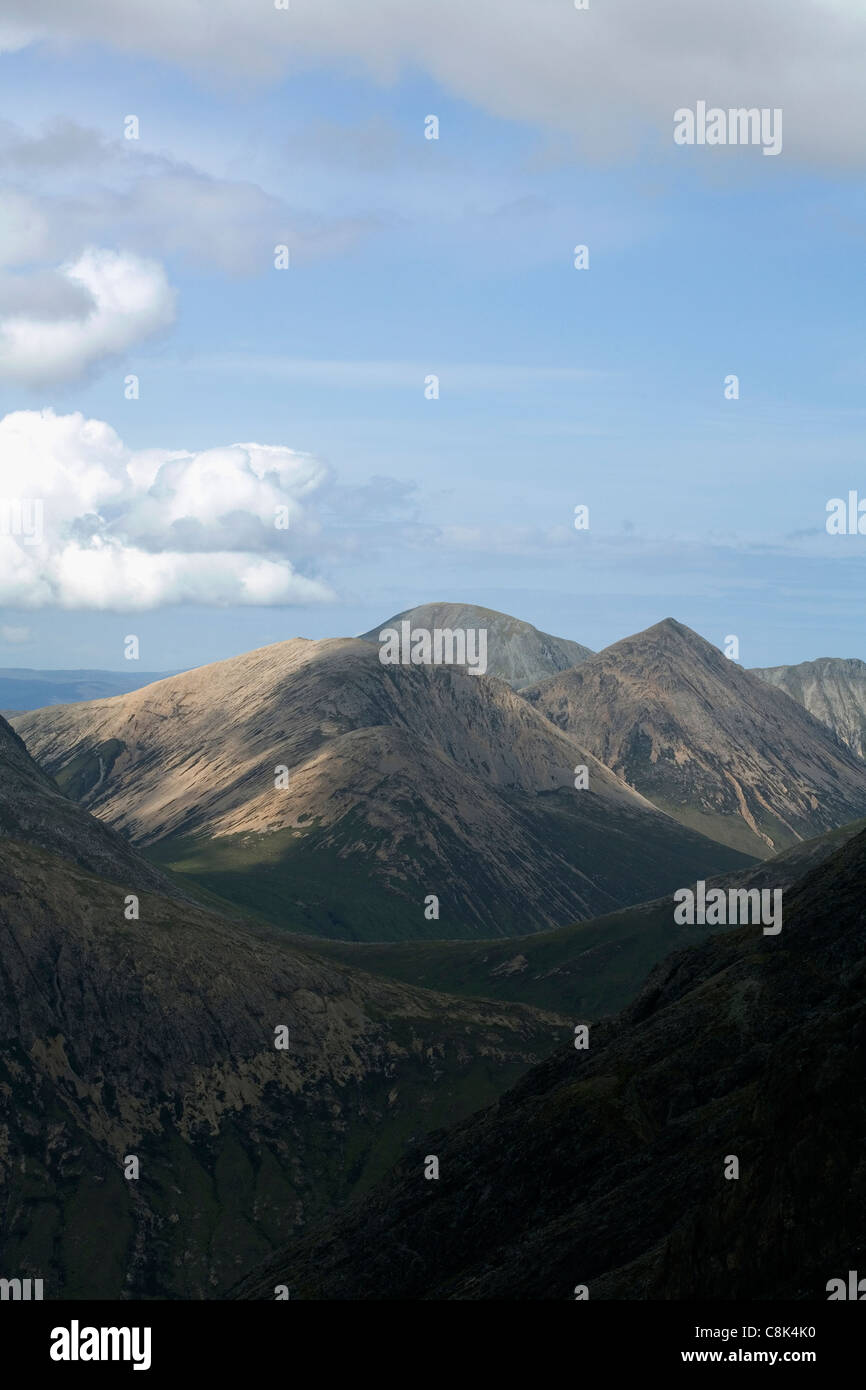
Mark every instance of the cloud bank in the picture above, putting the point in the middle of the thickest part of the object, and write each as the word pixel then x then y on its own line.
pixel 604 75
pixel 87 523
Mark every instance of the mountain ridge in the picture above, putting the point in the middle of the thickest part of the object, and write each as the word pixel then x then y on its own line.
pixel 707 741
pixel 420 780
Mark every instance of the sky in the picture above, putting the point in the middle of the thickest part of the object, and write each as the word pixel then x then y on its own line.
pixel 167 390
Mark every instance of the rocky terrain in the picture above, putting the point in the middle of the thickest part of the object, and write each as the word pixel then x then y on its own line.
pixel 517 652
pixel 709 743
pixel 402 782
pixel 605 1167
pixel 154 1038
pixel 833 689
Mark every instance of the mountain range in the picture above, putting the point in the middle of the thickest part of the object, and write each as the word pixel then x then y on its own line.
pixel 403 783
pixel 22 689
pixel 281 822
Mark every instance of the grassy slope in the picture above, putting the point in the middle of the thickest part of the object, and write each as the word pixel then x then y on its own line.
pixel 345 883
pixel 584 970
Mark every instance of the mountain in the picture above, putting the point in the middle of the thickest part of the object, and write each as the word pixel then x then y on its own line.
pixel 517 652
pixel 706 741
pixel 154 1038
pixel 32 809
pixel 584 970
pixel 403 782
pixel 21 689
pixel 606 1167
pixel 831 689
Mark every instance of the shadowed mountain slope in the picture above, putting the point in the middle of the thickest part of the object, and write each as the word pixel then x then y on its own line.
pixel 606 1167
pixel 584 970
pixel 32 809
pixel 155 1038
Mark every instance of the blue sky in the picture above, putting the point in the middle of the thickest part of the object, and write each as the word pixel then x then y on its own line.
pixel 453 257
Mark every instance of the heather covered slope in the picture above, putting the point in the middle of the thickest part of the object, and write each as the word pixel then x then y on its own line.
pixel 155 1038
pixel 584 970
pixel 606 1167
pixel 402 783
pixel 706 741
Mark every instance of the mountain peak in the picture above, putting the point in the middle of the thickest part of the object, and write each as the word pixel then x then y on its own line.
pixel 517 652
pixel 667 633
pixel 697 734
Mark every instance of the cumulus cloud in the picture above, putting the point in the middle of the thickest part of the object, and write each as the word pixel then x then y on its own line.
pixel 603 75
pixel 86 522
pixel 55 328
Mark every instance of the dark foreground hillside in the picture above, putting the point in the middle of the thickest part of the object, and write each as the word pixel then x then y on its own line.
pixel 606 1167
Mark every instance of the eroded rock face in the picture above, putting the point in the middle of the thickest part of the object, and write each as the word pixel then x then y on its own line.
pixel 606 1167
pixel 708 742
pixel 832 689
pixel 402 782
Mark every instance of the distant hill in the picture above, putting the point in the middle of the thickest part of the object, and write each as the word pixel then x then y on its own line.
pixel 833 689
pixel 21 689
pixel 584 970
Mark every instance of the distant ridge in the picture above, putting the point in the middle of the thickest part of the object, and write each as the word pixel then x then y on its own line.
pixel 833 689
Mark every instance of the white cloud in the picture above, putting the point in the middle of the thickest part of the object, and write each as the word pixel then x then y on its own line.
pixel 603 75
pixel 131 530
pixel 14 636
pixel 58 332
